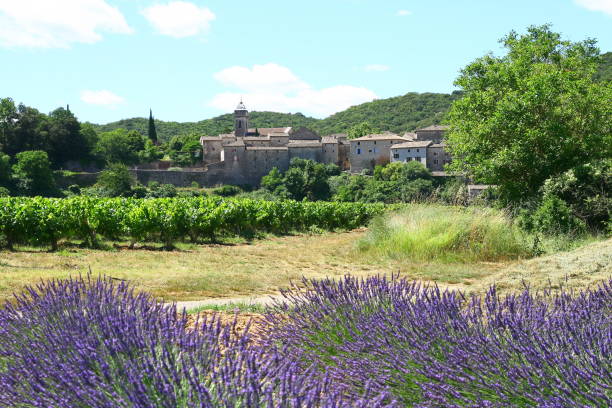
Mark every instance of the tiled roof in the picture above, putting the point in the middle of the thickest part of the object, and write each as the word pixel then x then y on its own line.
pixel 382 136
pixel 265 148
pixel 255 138
pixel 304 143
pixel 442 145
pixel 409 145
pixel 237 143
pixel 435 127
pixel 267 131
pixel 329 140
pixel 210 138
pixel 409 135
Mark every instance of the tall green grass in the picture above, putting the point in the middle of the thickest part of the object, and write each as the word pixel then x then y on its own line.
pixel 445 234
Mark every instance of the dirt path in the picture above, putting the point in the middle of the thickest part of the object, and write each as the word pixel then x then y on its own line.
pixel 250 300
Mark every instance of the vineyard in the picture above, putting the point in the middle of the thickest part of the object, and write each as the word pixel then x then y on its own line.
pixel 46 221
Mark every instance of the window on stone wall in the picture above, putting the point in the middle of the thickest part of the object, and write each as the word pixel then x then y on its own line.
pixel 396 155
pixel 435 153
pixel 435 162
pixel 408 150
pixel 358 151
pixel 418 150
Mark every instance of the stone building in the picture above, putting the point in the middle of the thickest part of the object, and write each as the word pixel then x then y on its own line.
pixel 247 154
pixel 369 151
pixel 427 147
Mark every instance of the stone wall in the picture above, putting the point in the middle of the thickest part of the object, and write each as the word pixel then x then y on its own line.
pixel 306 152
pixel 331 153
pixel 180 178
pixel 437 158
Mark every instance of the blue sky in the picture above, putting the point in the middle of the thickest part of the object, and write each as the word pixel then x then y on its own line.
pixel 191 60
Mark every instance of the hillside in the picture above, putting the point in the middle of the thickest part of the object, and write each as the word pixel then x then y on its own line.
pixel 397 114
pixel 604 73
pixel 214 126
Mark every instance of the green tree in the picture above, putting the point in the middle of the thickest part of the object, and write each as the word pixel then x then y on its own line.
pixel 272 180
pixel 22 128
pixel 66 142
pixel 32 174
pixel 185 150
pixel 152 131
pixel 5 171
pixel 360 130
pixel 115 181
pixel 531 114
pixel 120 146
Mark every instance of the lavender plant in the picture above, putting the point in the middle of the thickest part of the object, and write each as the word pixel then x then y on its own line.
pixel 434 348
pixel 93 343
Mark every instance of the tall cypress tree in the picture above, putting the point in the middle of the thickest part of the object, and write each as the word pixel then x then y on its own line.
pixel 152 131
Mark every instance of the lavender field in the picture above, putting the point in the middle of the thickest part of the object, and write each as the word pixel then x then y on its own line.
pixel 352 343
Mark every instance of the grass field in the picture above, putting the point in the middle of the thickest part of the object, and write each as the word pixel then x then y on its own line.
pixel 265 266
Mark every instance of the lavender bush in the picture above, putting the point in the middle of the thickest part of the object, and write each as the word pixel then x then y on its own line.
pixel 93 343
pixel 434 348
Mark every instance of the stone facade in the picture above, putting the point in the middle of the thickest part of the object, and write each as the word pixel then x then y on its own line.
pixel 427 147
pixel 410 151
pixel 369 151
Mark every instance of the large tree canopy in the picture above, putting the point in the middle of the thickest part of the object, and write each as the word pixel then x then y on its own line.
pixel 531 114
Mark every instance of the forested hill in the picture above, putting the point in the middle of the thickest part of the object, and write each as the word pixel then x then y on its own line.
pixel 604 73
pixel 397 114
pixel 211 127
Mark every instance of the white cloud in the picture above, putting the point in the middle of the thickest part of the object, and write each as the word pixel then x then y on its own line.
pixel 179 19
pixel 103 97
pixel 402 13
pixel 57 23
pixel 272 87
pixel 376 68
pixel 596 5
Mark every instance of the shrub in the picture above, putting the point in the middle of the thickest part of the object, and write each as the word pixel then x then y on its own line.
pixel 227 191
pixel 116 181
pixel 139 191
pixel 554 216
pixel 433 348
pixel 163 191
pixel 443 233
pixel 586 190
pixel 194 184
pixel 91 343
pixel 4 192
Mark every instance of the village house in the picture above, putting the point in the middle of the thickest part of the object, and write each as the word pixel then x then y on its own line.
pixel 427 147
pixel 369 151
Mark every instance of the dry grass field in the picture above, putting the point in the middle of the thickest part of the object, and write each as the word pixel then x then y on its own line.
pixel 263 267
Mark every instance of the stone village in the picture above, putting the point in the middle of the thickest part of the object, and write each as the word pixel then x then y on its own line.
pixel 247 154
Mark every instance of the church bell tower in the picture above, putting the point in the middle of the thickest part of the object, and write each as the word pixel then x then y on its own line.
pixel 241 120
